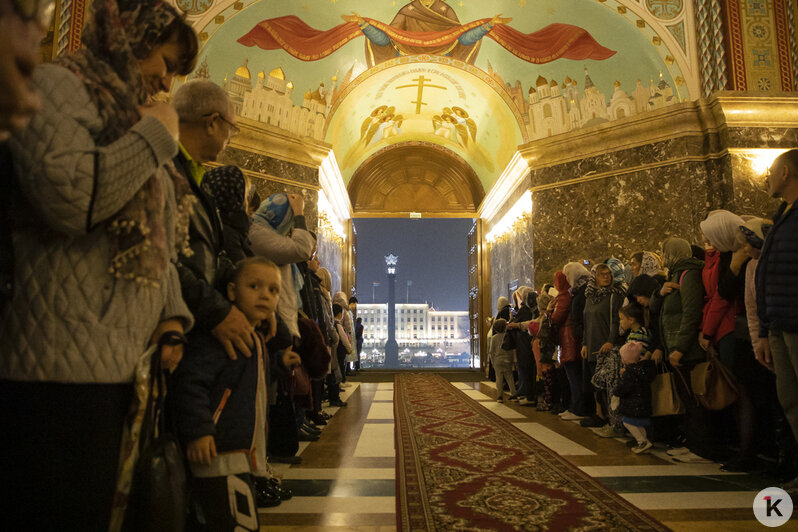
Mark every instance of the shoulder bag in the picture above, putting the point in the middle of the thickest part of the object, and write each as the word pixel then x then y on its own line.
pixel 664 397
pixel 713 384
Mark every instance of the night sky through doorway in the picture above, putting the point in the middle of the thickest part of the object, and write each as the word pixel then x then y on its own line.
pixel 433 255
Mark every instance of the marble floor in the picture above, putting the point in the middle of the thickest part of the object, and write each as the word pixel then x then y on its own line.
pixel 347 479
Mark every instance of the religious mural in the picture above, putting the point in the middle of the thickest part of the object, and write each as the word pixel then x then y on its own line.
pixel 289 64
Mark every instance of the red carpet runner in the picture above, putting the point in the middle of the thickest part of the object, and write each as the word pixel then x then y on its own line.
pixel 461 467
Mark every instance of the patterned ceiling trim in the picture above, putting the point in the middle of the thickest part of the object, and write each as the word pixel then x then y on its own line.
pixel 784 45
pixel 434 59
pixel 736 47
pixel 679 57
pixel 711 47
pixel 792 11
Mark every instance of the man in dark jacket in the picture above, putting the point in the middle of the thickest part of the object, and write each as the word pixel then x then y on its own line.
pixel 207 122
pixel 777 290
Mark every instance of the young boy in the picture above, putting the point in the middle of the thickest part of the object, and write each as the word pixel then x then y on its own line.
pixel 502 360
pixel 221 405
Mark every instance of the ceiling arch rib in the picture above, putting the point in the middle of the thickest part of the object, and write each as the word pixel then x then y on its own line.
pixel 415 177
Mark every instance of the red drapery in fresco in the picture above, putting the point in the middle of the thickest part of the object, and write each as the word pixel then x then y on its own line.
pixel 555 41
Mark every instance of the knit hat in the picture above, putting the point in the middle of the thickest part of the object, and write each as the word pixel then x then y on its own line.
pixel 755 230
pixel 631 352
pixel 618 270
pixel 642 285
pixel 720 229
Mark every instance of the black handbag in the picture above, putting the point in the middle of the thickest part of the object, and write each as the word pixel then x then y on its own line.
pixel 158 493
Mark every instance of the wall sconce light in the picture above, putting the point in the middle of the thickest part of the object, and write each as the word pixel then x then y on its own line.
pixel 760 159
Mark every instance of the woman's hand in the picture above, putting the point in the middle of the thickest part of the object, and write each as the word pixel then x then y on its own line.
pixel 166 114
pixel 270 325
pixel 675 357
pixel 171 355
pixel 657 356
pixel 201 450
pixel 297 203
pixel 704 342
pixel 584 352
pixel 738 259
pixel 669 287
pixel 605 348
pixel 291 359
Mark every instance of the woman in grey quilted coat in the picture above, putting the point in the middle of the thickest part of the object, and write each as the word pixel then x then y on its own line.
pixel 98 218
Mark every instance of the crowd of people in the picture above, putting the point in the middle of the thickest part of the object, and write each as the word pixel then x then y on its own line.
pixel 694 347
pixel 131 268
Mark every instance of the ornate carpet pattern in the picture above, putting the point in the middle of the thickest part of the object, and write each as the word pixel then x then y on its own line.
pixel 461 467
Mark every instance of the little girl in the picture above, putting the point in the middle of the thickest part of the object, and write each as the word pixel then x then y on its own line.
pixel 634 390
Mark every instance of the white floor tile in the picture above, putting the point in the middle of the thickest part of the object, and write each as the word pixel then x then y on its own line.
pixel 355 473
pixel 330 505
pixel 376 441
pixel 383 395
pixel 501 410
pixel 385 386
pixel 479 396
pixel 691 500
pixel 489 384
pixel 554 441
pixel 462 386
pixel 345 393
pixel 380 411
pixel 655 470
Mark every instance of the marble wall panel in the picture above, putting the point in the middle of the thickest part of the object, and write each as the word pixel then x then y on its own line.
pixel 762 137
pixel 264 164
pixel 330 254
pixel 511 259
pixel 750 190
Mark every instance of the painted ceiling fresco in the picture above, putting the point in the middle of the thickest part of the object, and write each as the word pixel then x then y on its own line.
pixel 488 94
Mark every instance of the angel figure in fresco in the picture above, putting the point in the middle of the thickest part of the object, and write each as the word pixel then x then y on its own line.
pixel 461 115
pixel 372 124
pixel 425 27
pixel 392 126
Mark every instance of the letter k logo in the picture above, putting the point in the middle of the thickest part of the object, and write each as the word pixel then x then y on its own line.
pixel 773 506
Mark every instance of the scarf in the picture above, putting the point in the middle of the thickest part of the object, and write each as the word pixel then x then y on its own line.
pixel 650 264
pixel 596 293
pixel 119 33
pixel 618 270
pixel 720 229
pixel 577 275
pixel 228 187
pixel 275 212
pixel 674 250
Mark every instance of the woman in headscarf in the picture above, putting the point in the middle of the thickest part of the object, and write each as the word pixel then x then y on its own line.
pixel 279 233
pixel 569 346
pixel 604 297
pixel 517 338
pixel 724 310
pixel 349 327
pixel 679 304
pixel 228 186
pixel 99 217
pixel 647 263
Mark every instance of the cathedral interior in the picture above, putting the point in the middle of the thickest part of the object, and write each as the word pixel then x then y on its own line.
pixel 563 128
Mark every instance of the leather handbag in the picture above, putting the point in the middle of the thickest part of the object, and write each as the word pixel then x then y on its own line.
pixel 665 399
pixel 300 382
pixel 713 384
pixel 158 493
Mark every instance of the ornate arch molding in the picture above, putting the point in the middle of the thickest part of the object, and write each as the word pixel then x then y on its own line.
pixel 415 177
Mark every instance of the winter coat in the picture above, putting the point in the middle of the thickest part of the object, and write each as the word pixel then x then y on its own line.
pixel 719 313
pixel 502 360
pixel 561 320
pixel 777 274
pixel 680 311
pixel 602 323
pixel 69 319
pixel 577 313
pixel 312 349
pixel 204 273
pixel 216 396
pixel 634 389
pixel 519 339
pixel 284 251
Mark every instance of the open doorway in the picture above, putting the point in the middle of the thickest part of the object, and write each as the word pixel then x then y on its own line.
pixel 430 291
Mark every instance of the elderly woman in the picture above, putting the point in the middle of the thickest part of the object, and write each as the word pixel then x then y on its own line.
pixel 517 338
pixel 279 233
pixel 99 217
pixel 604 297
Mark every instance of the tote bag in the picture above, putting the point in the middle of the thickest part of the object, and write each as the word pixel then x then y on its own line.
pixel 713 384
pixel 664 397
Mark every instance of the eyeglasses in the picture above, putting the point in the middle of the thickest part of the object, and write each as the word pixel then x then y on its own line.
pixel 40 11
pixel 234 129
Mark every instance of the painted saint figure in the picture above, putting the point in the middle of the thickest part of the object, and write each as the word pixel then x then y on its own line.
pixel 423 16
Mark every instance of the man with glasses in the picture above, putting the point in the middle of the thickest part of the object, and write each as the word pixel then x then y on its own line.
pixel 207 123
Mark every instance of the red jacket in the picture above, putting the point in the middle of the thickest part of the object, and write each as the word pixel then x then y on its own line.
pixel 719 314
pixel 561 318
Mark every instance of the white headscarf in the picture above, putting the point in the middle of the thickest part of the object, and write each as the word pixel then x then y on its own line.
pixel 721 228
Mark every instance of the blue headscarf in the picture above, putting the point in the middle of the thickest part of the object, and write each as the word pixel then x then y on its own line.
pixel 618 270
pixel 277 213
